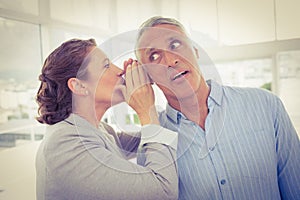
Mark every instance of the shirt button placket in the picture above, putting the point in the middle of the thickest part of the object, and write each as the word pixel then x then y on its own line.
pixel 223 182
pixel 211 148
pixel 221 173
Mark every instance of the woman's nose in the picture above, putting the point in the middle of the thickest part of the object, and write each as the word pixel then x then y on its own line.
pixel 118 70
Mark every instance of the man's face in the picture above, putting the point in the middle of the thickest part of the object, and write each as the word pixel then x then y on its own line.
pixel 170 60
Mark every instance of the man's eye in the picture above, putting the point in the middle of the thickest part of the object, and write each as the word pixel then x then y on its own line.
pixel 107 64
pixel 175 44
pixel 154 57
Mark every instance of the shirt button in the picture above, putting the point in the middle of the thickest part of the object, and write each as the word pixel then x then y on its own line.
pixel 223 181
pixel 211 148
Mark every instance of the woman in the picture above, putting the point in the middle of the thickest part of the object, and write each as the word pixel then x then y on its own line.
pixel 83 158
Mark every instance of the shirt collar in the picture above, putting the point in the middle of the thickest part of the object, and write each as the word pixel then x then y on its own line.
pixel 216 91
pixel 215 97
pixel 173 114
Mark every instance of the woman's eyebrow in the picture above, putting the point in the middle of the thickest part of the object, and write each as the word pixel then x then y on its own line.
pixel 150 50
pixel 105 60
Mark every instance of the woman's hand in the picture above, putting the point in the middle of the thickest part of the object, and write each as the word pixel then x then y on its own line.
pixel 139 93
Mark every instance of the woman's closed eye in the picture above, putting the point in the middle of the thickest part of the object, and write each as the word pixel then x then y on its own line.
pixel 107 63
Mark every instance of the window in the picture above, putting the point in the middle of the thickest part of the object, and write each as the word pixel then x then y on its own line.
pixel 247 73
pixel 20 56
pixel 289 81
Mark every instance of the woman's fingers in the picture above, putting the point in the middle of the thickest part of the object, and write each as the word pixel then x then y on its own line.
pixel 137 80
pixel 125 64
pixel 144 77
pixel 136 76
pixel 138 92
pixel 128 77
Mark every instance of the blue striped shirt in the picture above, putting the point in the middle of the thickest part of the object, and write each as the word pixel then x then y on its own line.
pixel 249 149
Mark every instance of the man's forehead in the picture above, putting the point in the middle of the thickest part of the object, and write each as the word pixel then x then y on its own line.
pixel 158 35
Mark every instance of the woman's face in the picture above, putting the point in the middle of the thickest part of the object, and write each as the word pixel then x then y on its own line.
pixel 104 81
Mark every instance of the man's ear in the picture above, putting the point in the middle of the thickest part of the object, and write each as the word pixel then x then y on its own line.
pixel 196 52
pixel 76 86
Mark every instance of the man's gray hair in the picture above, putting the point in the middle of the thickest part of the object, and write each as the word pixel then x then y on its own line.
pixel 157 20
pixel 154 21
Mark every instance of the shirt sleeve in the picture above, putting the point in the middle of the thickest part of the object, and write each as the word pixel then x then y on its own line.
pixel 288 154
pixel 152 133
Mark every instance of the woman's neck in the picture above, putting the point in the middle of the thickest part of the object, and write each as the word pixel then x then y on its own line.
pixel 93 114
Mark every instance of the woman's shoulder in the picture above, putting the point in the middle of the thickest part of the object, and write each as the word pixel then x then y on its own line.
pixel 65 136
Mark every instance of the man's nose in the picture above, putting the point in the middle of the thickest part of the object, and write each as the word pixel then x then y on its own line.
pixel 170 59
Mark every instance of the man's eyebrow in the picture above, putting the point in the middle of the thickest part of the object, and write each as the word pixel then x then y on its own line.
pixel 150 50
pixel 170 39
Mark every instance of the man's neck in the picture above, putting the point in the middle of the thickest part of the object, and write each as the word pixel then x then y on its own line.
pixel 194 107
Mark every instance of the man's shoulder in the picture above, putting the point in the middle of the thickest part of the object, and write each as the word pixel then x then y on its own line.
pixel 248 92
pixel 255 98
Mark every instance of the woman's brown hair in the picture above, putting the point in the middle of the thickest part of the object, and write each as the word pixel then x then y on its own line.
pixel 54 97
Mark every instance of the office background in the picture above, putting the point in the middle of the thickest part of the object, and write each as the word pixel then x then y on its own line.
pixel 252 43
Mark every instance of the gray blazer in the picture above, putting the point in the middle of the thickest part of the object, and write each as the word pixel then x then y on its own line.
pixel 78 161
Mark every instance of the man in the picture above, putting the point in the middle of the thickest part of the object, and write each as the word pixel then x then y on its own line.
pixel 234 143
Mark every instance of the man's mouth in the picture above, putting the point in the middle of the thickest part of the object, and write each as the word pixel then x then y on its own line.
pixel 180 74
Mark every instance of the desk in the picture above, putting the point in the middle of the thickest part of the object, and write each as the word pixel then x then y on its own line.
pixel 17 172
